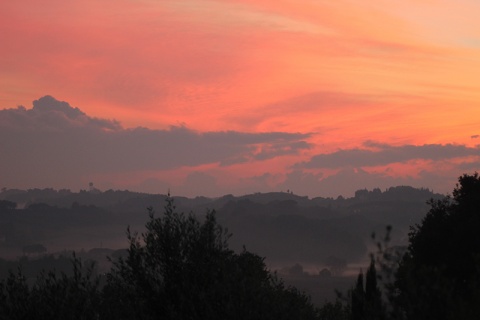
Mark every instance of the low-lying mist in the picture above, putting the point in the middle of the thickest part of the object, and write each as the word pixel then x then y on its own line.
pixel 318 245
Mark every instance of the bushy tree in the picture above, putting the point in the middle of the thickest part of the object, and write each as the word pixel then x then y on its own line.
pixel 181 268
pixel 52 295
pixel 439 276
pixel 6 206
pixel 337 310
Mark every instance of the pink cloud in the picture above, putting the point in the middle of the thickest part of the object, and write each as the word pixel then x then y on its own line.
pixel 220 57
pixel 339 72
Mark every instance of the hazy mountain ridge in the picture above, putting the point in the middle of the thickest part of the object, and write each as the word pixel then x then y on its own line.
pixel 285 228
pixel 282 226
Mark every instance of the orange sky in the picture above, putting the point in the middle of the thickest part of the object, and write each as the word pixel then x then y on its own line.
pixel 399 73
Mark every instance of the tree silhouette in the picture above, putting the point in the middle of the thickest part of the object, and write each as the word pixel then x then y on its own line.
pixel 439 276
pixel 366 302
pixel 52 295
pixel 373 297
pixel 6 205
pixel 358 299
pixel 181 268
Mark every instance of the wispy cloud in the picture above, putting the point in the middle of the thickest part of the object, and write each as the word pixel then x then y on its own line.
pixel 251 87
pixel 204 63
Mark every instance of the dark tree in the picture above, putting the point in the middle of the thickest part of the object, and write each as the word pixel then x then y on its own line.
pixel 181 268
pixel 6 205
pixel 373 297
pixel 367 302
pixel 439 276
pixel 358 299
pixel 52 296
pixel 335 311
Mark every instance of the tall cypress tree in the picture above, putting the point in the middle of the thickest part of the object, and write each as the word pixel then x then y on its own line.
pixel 373 296
pixel 358 299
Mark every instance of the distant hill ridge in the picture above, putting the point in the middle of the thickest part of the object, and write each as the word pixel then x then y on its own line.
pixel 111 198
pixel 282 226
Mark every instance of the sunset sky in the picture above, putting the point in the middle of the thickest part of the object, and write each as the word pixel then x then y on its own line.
pixel 207 97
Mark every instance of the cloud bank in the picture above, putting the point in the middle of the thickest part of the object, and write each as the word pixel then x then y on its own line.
pixel 55 143
pixel 382 154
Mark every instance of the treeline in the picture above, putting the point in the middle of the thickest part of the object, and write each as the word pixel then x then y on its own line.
pixel 284 227
pixel 181 268
pixel 40 222
pixel 437 277
pixel 119 200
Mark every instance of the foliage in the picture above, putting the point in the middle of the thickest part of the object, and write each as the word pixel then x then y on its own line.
pixel 180 268
pixel 52 296
pixel 366 301
pixel 183 269
pixel 439 276
pixel 358 299
pixel 335 311
pixel 336 265
pixel 6 205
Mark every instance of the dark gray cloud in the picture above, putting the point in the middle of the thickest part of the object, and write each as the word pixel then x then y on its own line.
pixel 470 165
pixel 376 154
pixel 56 142
pixel 280 149
pixel 51 115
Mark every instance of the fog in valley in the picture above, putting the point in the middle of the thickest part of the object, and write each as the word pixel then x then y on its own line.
pixel 316 244
pixel 240 160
